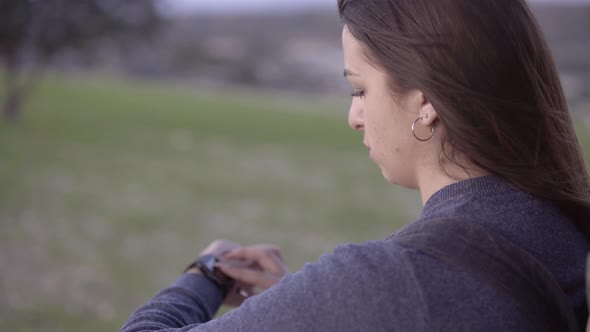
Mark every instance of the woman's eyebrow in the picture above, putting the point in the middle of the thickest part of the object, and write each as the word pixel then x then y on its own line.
pixel 347 73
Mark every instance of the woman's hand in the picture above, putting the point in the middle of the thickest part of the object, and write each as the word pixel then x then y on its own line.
pixel 258 266
pixel 220 247
pixel 240 291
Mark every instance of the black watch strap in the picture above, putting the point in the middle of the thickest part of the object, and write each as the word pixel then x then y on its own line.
pixel 206 264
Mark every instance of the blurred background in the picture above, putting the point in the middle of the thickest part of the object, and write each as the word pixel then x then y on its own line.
pixel 135 132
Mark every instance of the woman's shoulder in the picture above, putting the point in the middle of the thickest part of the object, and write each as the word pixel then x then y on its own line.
pixel 440 273
pixel 421 258
pixel 492 260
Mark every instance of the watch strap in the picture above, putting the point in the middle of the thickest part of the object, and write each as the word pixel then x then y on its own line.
pixel 206 264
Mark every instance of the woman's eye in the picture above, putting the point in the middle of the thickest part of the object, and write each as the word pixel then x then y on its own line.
pixel 357 93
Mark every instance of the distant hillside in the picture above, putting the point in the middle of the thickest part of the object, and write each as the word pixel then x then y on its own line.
pixel 567 29
pixel 301 50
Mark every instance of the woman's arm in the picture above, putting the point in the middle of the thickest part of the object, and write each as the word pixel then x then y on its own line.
pixel 359 287
pixel 193 299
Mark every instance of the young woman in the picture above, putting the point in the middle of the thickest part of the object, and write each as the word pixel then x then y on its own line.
pixel 460 100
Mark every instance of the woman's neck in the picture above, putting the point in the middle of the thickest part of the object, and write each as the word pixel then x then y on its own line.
pixel 433 179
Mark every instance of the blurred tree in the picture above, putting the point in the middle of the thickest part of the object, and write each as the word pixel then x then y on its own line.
pixel 33 32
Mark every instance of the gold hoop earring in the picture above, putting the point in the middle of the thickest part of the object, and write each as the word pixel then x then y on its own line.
pixel 414 132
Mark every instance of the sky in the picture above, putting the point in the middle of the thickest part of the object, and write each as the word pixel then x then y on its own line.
pixel 225 6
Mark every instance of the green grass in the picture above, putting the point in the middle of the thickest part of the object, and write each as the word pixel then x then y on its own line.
pixel 108 188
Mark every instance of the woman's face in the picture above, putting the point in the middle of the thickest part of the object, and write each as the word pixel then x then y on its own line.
pixel 385 122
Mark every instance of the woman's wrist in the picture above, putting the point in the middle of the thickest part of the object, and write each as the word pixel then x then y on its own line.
pixel 194 270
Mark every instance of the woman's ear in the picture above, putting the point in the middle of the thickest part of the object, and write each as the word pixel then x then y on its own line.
pixel 427 112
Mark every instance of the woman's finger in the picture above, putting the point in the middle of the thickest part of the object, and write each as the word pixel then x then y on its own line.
pixel 254 251
pixel 268 257
pixel 254 277
pixel 219 247
pixel 238 294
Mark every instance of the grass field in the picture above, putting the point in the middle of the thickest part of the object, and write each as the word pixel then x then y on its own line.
pixel 108 188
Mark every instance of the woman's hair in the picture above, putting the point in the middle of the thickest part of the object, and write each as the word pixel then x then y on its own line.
pixel 485 67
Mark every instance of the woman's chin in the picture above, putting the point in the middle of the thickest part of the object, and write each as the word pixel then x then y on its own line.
pixel 387 176
pixel 396 180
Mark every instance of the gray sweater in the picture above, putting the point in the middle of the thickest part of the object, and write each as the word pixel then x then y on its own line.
pixel 483 256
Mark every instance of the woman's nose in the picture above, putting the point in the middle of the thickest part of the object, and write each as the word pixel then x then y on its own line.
pixel 355 118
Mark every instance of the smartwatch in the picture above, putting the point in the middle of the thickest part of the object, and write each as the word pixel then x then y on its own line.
pixel 206 264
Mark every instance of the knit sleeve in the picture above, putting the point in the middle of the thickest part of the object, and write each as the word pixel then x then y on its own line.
pixel 344 291
pixel 192 300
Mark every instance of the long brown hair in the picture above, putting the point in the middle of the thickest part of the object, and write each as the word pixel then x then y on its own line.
pixel 487 70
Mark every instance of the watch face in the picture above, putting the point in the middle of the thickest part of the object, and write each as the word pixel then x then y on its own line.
pixel 208 261
pixel 207 266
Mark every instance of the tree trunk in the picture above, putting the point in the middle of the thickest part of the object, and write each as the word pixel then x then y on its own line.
pixel 12 106
pixel 17 89
pixel 11 103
